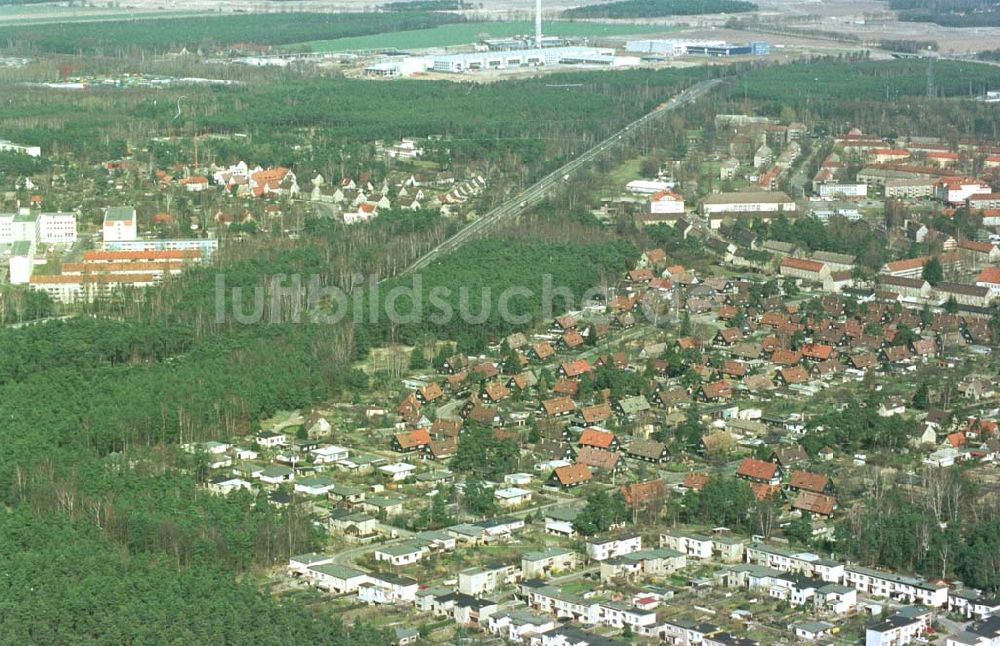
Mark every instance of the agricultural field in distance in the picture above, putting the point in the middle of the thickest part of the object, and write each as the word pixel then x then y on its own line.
pixel 463 33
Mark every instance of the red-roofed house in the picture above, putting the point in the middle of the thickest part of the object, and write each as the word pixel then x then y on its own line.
pixel 601 459
pixel 768 473
pixel 695 481
pixel 572 369
pixel 598 438
pixel 412 441
pixel 558 406
pixel 573 475
pixel 990 278
pixel 808 481
pixel 666 201
pixel 815 503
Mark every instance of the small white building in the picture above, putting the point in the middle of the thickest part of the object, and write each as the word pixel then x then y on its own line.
pixel 666 201
pixel 402 554
pixel 398 472
pixel 512 496
pixel 387 588
pixel 270 440
pixel 329 454
pixel 334 578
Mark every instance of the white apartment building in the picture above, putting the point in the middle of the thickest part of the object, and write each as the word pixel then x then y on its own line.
pixel 694 545
pixel 804 563
pixel 119 224
pixel 57 228
pixel 483 580
pixel 896 586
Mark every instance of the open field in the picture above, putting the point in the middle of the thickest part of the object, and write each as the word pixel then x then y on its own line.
pixel 465 33
pixel 171 34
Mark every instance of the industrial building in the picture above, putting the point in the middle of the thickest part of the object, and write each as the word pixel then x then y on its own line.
pixel 501 60
pixel 678 47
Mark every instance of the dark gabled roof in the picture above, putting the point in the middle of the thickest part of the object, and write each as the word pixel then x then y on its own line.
pixel 650 449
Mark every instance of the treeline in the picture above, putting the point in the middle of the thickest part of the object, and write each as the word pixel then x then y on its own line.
pixel 518 126
pixel 65 583
pixel 942 527
pixel 949 13
pixel 910 46
pixel 476 300
pixel 427 5
pixel 888 97
pixel 655 8
pixel 839 235
pixel 159 35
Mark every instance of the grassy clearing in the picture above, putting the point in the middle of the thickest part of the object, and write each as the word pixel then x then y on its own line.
pixel 465 33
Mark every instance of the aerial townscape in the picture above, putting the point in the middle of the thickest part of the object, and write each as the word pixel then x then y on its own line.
pixel 580 323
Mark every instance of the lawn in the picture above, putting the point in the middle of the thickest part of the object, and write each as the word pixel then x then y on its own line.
pixel 466 33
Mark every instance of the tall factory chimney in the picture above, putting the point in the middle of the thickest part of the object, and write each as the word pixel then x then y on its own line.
pixel 538 24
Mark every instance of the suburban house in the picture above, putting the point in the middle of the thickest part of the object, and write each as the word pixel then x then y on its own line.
pixel 760 471
pixel 548 562
pixel 570 476
pixel 602 549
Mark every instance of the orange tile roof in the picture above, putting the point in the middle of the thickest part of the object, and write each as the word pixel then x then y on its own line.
pixel 596 437
pixel 598 458
pixel 978 247
pixel 413 439
pixel 816 482
pixel 643 492
pixel 596 413
pixel 907 264
pixel 757 469
pixel 576 368
pixel 763 491
pixel 800 263
pixel 989 275
pixel 165 254
pixel 815 503
pixel 817 351
pixel 558 405
pixel 695 481
pixel 91 278
pixel 572 474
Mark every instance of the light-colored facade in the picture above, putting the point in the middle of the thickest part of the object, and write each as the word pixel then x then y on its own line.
pixel 119 224
pixel 57 228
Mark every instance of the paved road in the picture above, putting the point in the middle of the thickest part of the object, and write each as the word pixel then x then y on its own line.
pixel 537 192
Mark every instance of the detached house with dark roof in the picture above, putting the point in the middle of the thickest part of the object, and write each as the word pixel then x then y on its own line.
pixel 648 451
